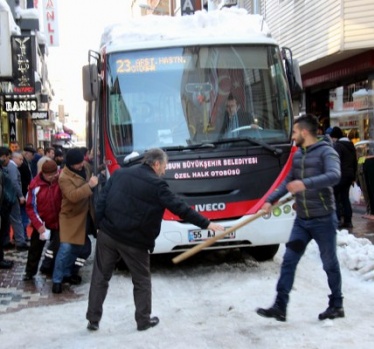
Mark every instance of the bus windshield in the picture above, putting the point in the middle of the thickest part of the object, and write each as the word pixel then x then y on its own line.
pixel 181 96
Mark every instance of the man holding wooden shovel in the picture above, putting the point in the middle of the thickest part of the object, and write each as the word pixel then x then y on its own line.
pixel 315 170
pixel 129 213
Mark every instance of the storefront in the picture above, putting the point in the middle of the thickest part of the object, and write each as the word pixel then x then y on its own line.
pixel 341 94
pixel 351 109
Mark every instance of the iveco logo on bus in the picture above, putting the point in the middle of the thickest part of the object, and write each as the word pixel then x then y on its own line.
pixel 215 206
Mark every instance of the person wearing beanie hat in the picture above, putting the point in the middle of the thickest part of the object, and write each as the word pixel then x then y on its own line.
pixel 348 167
pixel 49 167
pixel 43 207
pixel 76 182
pixel 336 133
pixel 74 156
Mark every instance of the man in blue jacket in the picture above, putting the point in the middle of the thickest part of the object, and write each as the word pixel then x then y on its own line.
pixel 129 212
pixel 315 170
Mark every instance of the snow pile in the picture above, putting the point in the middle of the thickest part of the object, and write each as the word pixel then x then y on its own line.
pixel 356 254
pixel 202 25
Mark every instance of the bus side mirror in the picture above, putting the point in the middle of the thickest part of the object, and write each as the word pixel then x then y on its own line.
pixel 292 71
pixel 90 82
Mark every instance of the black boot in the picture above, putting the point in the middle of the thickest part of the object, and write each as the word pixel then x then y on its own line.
pixel 93 325
pixel 332 313
pixel 57 288
pixel 274 312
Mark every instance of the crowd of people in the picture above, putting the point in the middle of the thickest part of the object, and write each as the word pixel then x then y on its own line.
pixel 59 208
pixel 44 189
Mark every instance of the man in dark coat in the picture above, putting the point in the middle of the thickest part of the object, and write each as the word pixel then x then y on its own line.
pixel 26 177
pixel 129 212
pixel 4 264
pixel 348 166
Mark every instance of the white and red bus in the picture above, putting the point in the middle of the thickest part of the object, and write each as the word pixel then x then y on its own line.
pixel 164 82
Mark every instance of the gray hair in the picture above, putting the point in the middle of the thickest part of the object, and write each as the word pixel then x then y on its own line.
pixel 154 155
pixel 16 155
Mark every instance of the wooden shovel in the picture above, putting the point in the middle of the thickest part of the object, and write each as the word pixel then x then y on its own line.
pixel 212 240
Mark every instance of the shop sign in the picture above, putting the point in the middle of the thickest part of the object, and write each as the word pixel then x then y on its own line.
pixel 348 123
pixel 24 56
pixel 188 7
pixel 47 135
pixel 363 99
pixel 50 17
pixel 6 88
pixel 39 115
pixel 40 134
pixel 21 105
pixel 12 127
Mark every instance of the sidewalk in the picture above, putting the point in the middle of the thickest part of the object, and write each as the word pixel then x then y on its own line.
pixel 16 294
pixel 362 227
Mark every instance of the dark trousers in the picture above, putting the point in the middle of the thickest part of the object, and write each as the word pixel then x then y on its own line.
pixel 323 231
pixel 343 204
pixel 368 169
pixel 25 218
pixel 3 232
pixel 36 250
pixel 108 252
pixel 5 228
pixel 50 254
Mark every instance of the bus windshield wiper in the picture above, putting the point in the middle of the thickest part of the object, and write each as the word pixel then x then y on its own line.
pixel 274 150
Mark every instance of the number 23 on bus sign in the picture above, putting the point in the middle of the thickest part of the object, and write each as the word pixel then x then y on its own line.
pixel 197 235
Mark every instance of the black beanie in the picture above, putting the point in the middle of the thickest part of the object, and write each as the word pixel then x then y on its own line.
pixel 74 156
pixel 336 133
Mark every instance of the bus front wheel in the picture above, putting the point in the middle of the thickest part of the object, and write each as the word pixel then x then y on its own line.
pixel 262 253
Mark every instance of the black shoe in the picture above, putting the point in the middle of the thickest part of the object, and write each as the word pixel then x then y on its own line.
pixel 93 325
pixel 153 321
pixel 22 248
pixel 57 288
pixel 9 246
pixel 4 264
pixel 331 313
pixel 28 277
pixel 345 226
pixel 274 312
pixel 72 280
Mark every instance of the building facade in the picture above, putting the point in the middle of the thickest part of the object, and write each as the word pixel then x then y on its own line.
pixel 25 91
pixel 333 42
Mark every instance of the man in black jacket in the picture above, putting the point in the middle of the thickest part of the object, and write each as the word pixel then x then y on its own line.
pixel 348 165
pixel 129 212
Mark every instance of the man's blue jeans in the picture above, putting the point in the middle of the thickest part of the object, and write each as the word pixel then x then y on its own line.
pixel 323 231
pixel 65 259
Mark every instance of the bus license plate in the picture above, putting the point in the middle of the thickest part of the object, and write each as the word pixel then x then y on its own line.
pixel 197 235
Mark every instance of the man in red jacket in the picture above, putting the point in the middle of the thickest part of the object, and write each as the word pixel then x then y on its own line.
pixel 43 207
